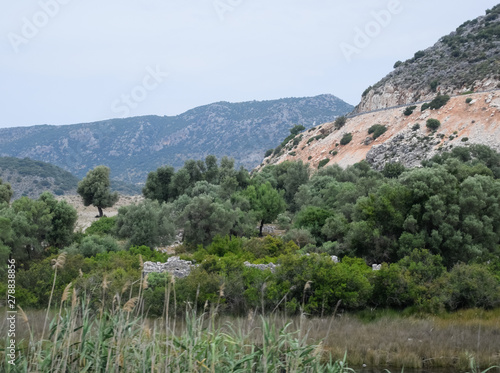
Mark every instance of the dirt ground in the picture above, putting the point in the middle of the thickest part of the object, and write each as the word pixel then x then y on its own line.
pixel 87 215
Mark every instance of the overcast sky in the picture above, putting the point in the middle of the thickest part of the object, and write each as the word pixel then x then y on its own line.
pixel 74 61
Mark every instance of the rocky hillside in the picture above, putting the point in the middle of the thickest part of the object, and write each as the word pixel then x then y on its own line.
pixel 30 178
pixel 134 146
pixel 390 123
pixel 465 60
pixel 466 119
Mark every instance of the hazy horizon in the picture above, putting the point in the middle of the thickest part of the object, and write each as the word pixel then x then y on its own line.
pixel 65 62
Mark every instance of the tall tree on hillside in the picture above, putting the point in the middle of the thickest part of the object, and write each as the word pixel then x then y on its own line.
pixel 95 189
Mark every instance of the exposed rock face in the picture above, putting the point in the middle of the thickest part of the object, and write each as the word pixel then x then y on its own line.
pixel 462 124
pixel 175 266
pixel 464 60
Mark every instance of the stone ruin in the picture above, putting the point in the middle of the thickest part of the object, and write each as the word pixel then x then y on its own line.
pixel 175 266
pixel 182 268
pixel 262 267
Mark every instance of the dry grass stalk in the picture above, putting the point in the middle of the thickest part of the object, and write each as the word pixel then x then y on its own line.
pixel 130 305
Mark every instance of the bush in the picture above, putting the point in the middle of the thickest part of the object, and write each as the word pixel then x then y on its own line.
pixel 323 162
pixel 346 139
pixel 397 64
pixel 468 100
pixel 366 91
pixel 425 106
pixel 419 54
pixel 433 124
pixel 434 84
pixel 415 127
pixel 93 245
pixel 465 139
pixel 472 286
pixel 377 130
pixel 340 122
pixel 439 102
pixel 102 226
pixel 409 110
pixel 268 153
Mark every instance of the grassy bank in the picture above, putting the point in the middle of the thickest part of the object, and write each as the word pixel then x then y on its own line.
pixel 81 340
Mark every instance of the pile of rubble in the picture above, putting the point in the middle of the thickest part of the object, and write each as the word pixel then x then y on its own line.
pixel 175 266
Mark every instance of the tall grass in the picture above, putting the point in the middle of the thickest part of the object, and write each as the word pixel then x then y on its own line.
pixel 83 339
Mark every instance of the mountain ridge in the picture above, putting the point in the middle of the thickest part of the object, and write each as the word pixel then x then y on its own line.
pixel 132 147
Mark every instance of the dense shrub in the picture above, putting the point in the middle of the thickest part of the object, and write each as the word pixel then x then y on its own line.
pixel 439 102
pixel 472 286
pixel 377 130
pixel 102 226
pixel 323 162
pixel 433 124
pixel 409 110
pixel 340 122
pixel 346 139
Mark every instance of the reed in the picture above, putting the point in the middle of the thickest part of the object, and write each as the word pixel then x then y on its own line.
pixel 122 338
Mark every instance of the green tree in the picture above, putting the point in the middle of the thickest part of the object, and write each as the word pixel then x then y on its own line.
pixel 95 189
pixel 63 222
pixel 147 223
pixel 157 185
pixel 203 218
pixel 5 192
pixel 266 201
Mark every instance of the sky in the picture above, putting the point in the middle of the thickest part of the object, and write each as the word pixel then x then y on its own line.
pixel 75 61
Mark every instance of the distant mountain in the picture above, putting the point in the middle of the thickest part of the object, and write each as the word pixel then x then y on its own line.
pixel 465 60
pixel 132 147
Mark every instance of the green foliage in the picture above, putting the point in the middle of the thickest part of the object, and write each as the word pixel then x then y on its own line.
pixel 415 127
pixel 266 201
pixel 6 192
pixel 103 226
pixel 95 189
pixel 377 130
pixel 472 286
pixel 340 122
pixel 366 91
pixel 166 185
pixel 425 106
pixel 346 139
pixel 432 124
pixel 147 223
pixel 468 100
pixel 297 129
pixel 439 101
pixel 434 84
pixel 409 110
pixel 93 245
pixel 397 64
pixel 268 153
pixel 418 55
pixel 393 170
pixel 323 162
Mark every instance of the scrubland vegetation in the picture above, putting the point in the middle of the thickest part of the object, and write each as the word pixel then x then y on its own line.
pixel 434 229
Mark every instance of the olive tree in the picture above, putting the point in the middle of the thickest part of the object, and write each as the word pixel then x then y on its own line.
pixel 95 189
